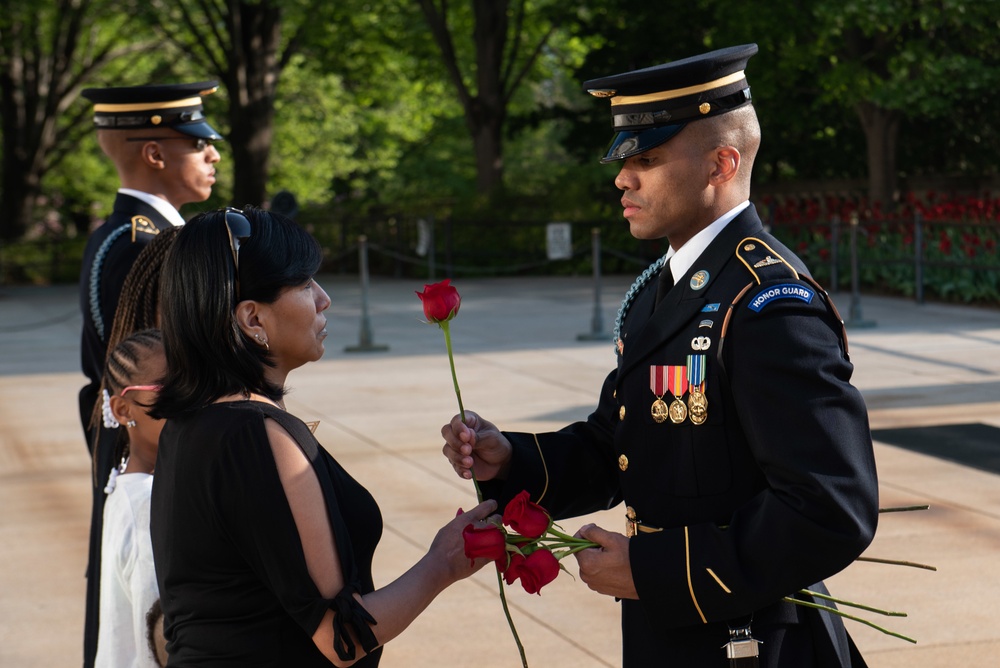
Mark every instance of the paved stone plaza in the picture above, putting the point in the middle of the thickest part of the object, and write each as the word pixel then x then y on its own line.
pixel 520 364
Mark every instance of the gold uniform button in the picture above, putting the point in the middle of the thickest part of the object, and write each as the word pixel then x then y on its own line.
pixel 623 462
pixel 621 413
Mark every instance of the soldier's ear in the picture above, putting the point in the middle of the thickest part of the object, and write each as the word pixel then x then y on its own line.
pixel 152 155
pixel 726 166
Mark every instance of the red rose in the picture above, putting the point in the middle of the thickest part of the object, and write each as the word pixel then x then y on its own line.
pixel 539 568
pixel 488 543
pixel 527 518
pixel 441 301
pixel 513 570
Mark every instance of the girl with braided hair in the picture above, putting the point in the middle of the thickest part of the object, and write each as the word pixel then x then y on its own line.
pixel 133 371
pixel 137 309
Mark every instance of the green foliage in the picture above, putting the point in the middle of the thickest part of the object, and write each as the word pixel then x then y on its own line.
pixel 957 237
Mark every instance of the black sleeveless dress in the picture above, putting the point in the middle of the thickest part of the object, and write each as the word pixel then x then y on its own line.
pixel 233 581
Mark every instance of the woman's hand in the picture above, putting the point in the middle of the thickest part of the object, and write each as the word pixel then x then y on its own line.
pixel 448 547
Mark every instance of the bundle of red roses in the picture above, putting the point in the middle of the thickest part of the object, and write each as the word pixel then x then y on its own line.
pixel 529 552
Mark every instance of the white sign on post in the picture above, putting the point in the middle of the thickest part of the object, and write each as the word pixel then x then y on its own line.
pixel 559 241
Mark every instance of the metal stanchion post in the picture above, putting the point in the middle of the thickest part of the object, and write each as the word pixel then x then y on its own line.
pixel 365 337
pixel 856 320
pixel 430 249
pixel 834 253
pixel 596 332
pixel 918 257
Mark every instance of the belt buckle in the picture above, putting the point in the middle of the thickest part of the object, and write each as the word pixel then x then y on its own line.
pixel 631 524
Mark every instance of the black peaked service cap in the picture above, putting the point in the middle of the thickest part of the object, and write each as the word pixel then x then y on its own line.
pixel 174 106
pixel 651 105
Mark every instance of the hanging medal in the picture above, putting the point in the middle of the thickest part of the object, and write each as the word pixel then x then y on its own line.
pixel 697 401
pixel 658 385
pixel 677 385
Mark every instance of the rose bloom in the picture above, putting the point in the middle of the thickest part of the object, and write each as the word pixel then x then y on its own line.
pixel 527 518
pixel 488 543
pixel 441 301
pixel 512 570
pixel 539 568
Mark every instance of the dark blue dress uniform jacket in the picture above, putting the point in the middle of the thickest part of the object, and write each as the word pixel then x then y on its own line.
pixel 774 492
pixel 110 253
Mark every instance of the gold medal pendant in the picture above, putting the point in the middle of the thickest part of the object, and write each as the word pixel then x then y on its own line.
pixel 659 410
pixel 698 406
pixel 678 411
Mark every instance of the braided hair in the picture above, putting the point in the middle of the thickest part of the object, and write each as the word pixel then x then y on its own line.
pixel 138 305
pixel 123 367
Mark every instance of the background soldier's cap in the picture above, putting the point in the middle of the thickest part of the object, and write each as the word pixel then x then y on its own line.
pixel 174 106
pixel 651 105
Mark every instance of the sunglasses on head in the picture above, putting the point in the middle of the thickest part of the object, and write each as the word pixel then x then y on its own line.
pixel 200 143
pixel 238 229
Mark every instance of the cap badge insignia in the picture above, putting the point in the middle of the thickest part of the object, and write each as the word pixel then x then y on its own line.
pixel 699 279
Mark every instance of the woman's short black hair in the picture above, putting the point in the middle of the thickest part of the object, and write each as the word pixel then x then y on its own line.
pixel 208 355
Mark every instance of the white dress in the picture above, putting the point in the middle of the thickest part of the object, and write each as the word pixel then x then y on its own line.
pixel 128 581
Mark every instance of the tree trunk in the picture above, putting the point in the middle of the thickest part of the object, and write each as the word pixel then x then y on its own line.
pixel 486 114
pixel 487 143
pixel 881 127
pixel 252 82
pixel 18 185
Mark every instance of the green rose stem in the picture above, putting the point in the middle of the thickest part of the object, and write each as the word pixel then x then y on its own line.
pixel 827 608
pixel 458 392
pixel 894 562
pixel 479 493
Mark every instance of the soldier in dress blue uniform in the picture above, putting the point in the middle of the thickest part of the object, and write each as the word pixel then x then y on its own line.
pixel 161 145
pixel 729 431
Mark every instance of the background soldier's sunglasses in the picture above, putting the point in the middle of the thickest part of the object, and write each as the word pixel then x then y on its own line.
pixel 200 143
pixel 238 229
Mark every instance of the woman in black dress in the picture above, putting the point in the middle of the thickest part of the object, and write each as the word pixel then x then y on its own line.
pixel 262 542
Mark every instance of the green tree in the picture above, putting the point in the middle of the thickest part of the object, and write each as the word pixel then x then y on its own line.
pixel 891 60
pixel 507 38
pixel 48 52
pixel 243 44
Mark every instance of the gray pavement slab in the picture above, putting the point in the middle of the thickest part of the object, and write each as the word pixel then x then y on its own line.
pixel 519 362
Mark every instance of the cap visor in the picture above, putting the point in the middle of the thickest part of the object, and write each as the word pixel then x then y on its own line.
pixel 200 129
pixel 629 143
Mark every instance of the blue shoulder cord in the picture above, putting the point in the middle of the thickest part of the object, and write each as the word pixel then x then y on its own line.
pixel 95 278
pixel 637 285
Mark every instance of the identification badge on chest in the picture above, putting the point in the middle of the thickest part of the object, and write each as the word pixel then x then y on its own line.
pixel 742 650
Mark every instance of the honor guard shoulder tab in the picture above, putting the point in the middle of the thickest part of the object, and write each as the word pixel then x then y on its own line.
pixel 763 262
pixel 143 225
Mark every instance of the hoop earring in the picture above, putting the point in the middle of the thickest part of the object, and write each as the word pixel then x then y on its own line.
pixel 262 342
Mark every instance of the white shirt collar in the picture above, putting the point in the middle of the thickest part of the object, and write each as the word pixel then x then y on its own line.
pixel 681 260
pixel 161 205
